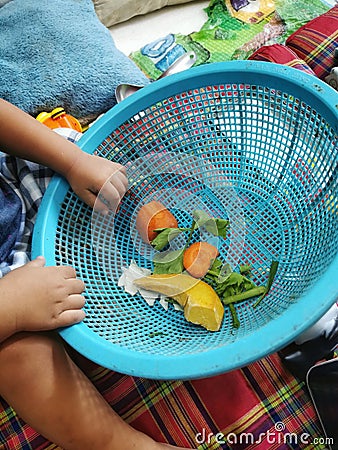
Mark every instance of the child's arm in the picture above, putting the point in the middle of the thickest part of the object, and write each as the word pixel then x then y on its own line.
pixel 23 136
pixel 34 297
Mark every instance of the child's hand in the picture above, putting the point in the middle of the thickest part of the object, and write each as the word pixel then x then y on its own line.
pixel 42 298
pixel 88 175
pixel 92 175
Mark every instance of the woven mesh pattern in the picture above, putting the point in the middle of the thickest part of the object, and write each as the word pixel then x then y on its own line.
pixel 271 150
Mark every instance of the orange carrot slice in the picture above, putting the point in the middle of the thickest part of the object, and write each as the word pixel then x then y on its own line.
pixel 198 258
pixel 151 216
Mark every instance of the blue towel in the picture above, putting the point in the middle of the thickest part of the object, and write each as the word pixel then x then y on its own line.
pixel 58 53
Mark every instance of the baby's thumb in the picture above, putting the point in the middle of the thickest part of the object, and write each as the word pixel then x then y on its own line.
pixel 39 261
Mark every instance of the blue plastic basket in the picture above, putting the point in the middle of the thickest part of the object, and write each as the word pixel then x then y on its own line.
pixel 251 141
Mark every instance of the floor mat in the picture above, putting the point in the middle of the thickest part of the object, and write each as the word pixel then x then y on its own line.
pixel 261 406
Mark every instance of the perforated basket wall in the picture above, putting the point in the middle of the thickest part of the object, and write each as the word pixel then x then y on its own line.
pixel 250 141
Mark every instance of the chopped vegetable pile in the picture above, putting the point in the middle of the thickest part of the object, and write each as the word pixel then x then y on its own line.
pixel 200 260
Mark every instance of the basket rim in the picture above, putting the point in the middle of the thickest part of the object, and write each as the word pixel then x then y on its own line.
pixel 248 348
pixel 277 76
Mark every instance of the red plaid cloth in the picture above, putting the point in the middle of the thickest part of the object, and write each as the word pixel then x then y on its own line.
pixel 315 42
pixel 258 407
pixel 281 54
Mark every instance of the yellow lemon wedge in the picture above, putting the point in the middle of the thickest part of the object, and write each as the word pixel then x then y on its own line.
pixel 201 304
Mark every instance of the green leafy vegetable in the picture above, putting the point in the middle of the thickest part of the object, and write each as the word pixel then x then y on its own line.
pixel 245 270
pixel 224 273
pixel 168 262
pixel 234 316
pixel 234 284
pixel 216 267
pixel 157 333
pixel 219 272
pixel 252 292
pixel 272 274
pixel 222 227
pixel 165 235
pixel 215 226
pixel 202 218
pixel 232 287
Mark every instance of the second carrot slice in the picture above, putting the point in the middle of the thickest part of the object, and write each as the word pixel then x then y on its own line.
pixel 198 258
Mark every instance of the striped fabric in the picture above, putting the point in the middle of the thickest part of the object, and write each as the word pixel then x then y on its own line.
pixel 258 407
pixel 281 54
pixel 315 42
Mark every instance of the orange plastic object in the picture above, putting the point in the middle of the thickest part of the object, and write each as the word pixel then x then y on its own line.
pixel 58 118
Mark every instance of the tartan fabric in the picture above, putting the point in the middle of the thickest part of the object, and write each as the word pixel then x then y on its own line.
pixel 281 54
pixel 315 42
pixel 246 407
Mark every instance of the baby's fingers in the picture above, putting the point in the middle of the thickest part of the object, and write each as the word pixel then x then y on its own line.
pixel 117 183
pixel 75 301
pixel 109 198
pixel 67 272
pixel 72 312
pixel 122 176
pixel 70 317
pixel 120 182
pixel 75 286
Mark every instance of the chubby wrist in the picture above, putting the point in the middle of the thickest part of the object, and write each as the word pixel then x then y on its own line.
pixel 9 323
pixel 76 167
pixel 67 159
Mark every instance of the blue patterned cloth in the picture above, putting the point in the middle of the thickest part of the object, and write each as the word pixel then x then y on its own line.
pixel 27 183
pixel 10 218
